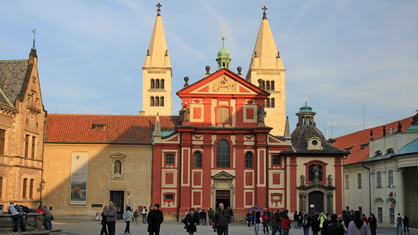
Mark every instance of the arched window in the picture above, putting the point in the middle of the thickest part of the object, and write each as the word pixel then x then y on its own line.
pixel 249 160
pixel 267 103
pixel 272 102
pixel 162 84
pixel 152 84
pixel 197 159
pixel 157 101
pixel 267 85
pixel 157 84
pixel 222 154
pixel 272 85
pixel 162 101
pixel 152 101
pixel 223 114
pixel 1 187
pixel 24 188
pixel 31 184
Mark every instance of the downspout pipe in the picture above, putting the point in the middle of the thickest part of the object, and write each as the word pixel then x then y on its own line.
pixel 370 187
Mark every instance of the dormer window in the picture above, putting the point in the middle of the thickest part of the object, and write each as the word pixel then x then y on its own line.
pixel 314 143
pixel 99 126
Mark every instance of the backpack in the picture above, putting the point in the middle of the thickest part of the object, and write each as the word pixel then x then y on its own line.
pixel 399 220
pixel 305 221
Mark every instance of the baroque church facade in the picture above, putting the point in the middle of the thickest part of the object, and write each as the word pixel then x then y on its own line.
pixel 231 143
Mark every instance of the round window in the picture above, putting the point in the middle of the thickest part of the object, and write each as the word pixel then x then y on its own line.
pixel 314 142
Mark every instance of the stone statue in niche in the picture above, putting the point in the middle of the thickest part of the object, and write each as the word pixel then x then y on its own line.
pixel 185 113
pixel 317 172
pixel 302 180
pixel 118 168
pixel 329 179
pixel 261 114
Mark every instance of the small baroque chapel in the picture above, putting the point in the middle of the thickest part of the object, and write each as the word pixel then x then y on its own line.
pixel 230 143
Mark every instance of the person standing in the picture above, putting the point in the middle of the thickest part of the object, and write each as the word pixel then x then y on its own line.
pixel 357 226
pixel 23 212
pixel 144 214
pixel 15 216
pixel 202 216
pixel 248 219
pixel 306 223
pixel 136 215
pixel 231 213
pixel 104 221
pixel 405 225
pixel 274 224
pixel 315 224
pixel 111 214
pixel 211 215
pixel 127 217
pixel 399 224
pixel 286 222
pixel 222 219
pixel 322 220
pixel 295 220
pixel 373 224
pixel 256 220
pixel 190 222
pixel 335 227
pixel 155 218
pixel 265 219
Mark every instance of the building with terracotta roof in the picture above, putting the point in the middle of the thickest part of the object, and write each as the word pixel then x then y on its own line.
pixel 22 117
pixel 380 175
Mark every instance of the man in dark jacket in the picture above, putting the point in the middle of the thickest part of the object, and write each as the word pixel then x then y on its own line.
pixel 155 219
pixel 222 219
pixel 334 226
pixel 256 220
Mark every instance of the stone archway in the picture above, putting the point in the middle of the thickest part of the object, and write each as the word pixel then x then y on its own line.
pixel 223 189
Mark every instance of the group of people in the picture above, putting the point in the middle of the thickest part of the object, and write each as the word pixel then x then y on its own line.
pixel 20 214
pixel 109 216
pixel 220 219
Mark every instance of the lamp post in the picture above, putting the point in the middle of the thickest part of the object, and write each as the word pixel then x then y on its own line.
pixel 42 186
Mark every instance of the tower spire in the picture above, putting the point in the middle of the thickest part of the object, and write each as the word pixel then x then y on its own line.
pixel 33 44
pixel 223 56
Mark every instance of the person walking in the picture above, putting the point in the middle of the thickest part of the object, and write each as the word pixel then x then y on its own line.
pixel 222 219
pixel 306 223
pixel 111 214
pixel 155 218
pixel 136 215
pixel 127 217
pixel 210 215
pixel 334 226
pixel 399 221
pixel 248 218
pixel 274 224
pixel 256 220
pixel 373 224
pixel 357 226
pixel 265 219
pixel 190 222
pixel 405 225
pixel 295 220
pixel 104 221
pixel 285 222
pixel 15 216
pixel 144 214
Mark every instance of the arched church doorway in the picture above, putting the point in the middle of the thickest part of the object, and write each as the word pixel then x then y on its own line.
pixel 223 196
pixel 316 202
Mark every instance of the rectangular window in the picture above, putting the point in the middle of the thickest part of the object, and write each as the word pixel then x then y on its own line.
pixel 27 146
pixel 379 179
pixel 390 178
pixel 1 188
pixel 223 114
pixel 347 181
pixel 24 188
pixel 360 209
pixel 391 215
pixel 358 180
pixel 276 160
pixel 169 159
pixel 380 215
pixel 2 140
pixel 33 147
pixel 169 197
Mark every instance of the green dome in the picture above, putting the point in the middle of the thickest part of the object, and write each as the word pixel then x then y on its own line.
pixel 223 53
pixel 223 56
pixel 306 109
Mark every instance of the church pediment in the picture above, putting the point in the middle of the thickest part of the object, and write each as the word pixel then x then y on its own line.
pixel 222 82
pixel 223 175
pixel 272 140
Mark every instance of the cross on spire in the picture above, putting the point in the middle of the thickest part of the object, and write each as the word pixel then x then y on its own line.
pixel 34 33
pixel 264 12
pixel 158 10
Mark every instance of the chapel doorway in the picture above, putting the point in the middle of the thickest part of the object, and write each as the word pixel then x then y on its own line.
pixel 117 197
pixel 316 202
pixel 223 196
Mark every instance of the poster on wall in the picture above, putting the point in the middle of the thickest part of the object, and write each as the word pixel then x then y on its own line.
pixel 79 170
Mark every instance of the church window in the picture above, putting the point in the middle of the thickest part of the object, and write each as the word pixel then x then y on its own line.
pixel 197 159
pixel 2 141
pixel 267 85
pixel 315 172
pixel 162 101
pixel 152 84
pixel 24 188
pixel 359 181
pixel 31 184
pixel 152 101
pixel 222 154
pixel 27 145
pixel 33 147
pixel 169 159
pixel 380 215
pixel 379 179
pixel 1 188
pixel 249 160
pixel 390 178
pixel 272 85
pixel 272 102
pixel 162 84
pixel 223 114
pixel 276 160
pixel 157 101
pixel 347 181
pixel 392 215
pixel 157 84
pixel 267 103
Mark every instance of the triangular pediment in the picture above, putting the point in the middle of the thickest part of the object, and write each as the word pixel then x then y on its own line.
pixel 223 175
pixel 222 82
pixel 272 140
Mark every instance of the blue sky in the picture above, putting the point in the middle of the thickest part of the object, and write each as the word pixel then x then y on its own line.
pixel 342 55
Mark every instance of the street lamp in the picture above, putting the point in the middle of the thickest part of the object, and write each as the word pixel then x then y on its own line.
pixel 42 186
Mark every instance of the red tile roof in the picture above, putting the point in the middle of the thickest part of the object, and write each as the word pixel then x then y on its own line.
pixel 353 141
pixel 117 129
